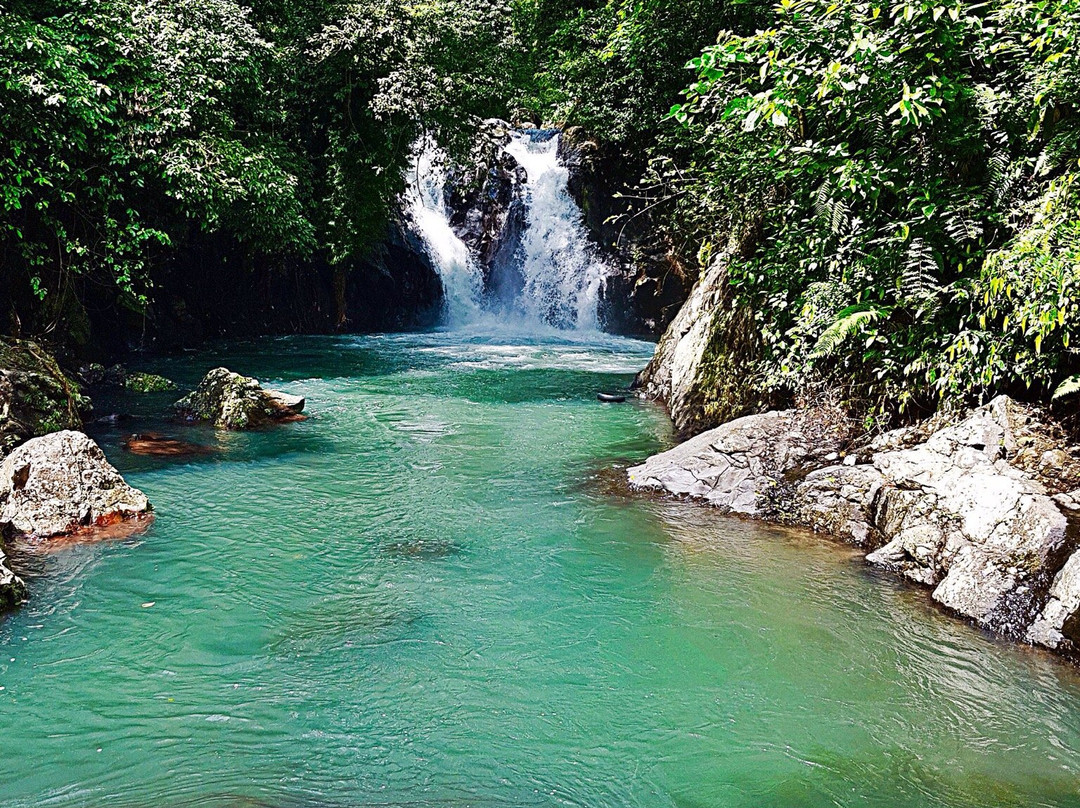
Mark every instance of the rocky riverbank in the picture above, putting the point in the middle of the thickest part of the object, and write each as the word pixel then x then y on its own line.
pixel 56 483
pixel 984 507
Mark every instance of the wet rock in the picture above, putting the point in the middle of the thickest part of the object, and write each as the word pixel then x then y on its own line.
pixel 112 419
pixel 12 589
pixel 645 294
pixel 487 208
pixel 966 504
pixel 94 374
pixel 231 401
pixel 294 403
pixel 154 444
pixel 746 466
pixel 61 484
pixel 148 383
pixel 36 398
pixel 119 376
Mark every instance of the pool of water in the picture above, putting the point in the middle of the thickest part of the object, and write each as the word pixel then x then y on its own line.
pixel 435 593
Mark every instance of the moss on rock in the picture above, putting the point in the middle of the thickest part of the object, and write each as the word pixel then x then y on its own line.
pixel 148 383
pixel 36 397
pixel 231 401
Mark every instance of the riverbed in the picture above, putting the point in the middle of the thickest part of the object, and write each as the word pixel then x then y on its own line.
pixel 437 592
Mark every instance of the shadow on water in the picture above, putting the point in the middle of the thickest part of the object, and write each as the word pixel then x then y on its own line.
pixel 355 619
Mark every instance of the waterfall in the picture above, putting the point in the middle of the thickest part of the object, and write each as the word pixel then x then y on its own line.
pixel 552 276
pixel 462 278
pixel 563 274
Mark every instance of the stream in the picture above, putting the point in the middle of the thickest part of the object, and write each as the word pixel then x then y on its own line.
pixel 437 592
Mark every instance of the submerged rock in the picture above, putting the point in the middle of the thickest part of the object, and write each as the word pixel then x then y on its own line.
pixel 154 444
pixel 231 401
pixel 970 507
pixel 35 396
pixel 61 484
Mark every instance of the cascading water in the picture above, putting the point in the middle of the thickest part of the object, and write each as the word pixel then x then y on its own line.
pixel 554 276
pixel 562 272
pixel 463 281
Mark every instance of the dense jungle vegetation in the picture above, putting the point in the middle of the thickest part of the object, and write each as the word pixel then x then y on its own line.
pixel 900 180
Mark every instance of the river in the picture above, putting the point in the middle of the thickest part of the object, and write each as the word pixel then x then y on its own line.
pixel 436 592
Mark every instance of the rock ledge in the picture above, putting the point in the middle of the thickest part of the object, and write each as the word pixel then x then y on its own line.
pixel 979 508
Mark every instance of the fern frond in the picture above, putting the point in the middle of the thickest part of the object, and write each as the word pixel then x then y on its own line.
pixel 848 322
pixel 1069 387
pixel 918 278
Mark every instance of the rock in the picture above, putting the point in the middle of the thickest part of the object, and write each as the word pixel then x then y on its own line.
pixel 154 444
pixel 744 466
pixel 650 285
pixel 488 211
pixel 95 374
pixel 12 589
pixel 1058 624
pixel 965 504
pixel 148 383
pixel 231 401
pixel 838 500
pixel 35 396
pixel 60 484
pixel 119 376
pixel 953 513
pixel 294 403
pixel 692 371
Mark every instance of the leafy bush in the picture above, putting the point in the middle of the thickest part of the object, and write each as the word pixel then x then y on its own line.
pixel 884 163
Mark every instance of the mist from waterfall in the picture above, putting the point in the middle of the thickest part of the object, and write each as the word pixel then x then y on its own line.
pixel 557 274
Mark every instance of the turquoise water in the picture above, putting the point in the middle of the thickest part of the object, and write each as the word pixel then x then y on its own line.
pixel 436 593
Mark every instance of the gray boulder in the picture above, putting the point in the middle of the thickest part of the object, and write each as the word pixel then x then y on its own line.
pixel 971 505
pixel 954 513
pixel 60 484
pixel 745 466
pixel 1058 624
pixel 231 401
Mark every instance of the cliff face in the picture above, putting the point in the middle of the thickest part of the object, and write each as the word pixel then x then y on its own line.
pixel 489 212
pixel 645 295
pixel 699 369
pixel 213 291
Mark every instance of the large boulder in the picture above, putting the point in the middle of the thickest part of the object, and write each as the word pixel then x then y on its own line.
pixel 61 484
pixel 698 369
pixel 746 466
pixel 967 511
pixel 976 506
pixel 35 396
pixel 231 401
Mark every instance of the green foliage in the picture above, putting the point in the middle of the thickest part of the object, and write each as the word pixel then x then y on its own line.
pixel 148 383
pixel 133 126
pixel 894 156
